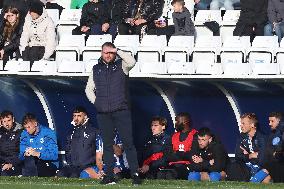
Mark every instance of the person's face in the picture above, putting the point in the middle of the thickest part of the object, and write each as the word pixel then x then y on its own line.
pixel 31 127
pixel 177 7
pixel 34 15
pixel 246 125
pixel 12 18
pixel 157 128
pixel 108 54
pixel 79 118
pixel 204 141
pixel 8 122
pixel 273 122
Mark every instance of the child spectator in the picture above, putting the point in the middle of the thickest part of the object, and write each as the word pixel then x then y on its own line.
pixel 182 19
pixel 10 34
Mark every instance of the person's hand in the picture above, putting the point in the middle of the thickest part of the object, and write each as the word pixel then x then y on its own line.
pixel 253 155
pixel 160 23
pixel 84 28
pixel 130 21
pixel 144 169
pixel 7 166
pixel 1 54
pixel 211 162
pixel 139 21
pixel 109 50
pixel 244 150
pixel 105 27
pixel 197 159
pixel 32 152
pixel 116 170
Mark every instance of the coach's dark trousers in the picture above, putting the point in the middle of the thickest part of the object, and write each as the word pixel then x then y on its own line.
pixel 121 120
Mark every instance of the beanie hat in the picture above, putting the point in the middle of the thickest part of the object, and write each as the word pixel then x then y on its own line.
pixel 36 7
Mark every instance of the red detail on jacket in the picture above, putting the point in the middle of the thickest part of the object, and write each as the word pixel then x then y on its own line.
pixel 153 157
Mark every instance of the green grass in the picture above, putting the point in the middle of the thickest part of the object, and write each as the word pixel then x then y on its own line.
pixel 62 183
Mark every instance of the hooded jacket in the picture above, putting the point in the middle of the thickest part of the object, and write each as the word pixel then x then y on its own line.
pixel 39 32
pixel 183 23
pixel 275 11
pixel 9 145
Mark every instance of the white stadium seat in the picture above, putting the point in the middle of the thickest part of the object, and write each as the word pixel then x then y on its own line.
pixel 128 43
pixel 180 68
pixel 67 66
pixel 233 53
pixel 231 17
pixel 205 54
pixel 203 16
pixel 69 19
pixel 92 51
pixel 1 65
pixel 261 55
pixel 98 40
pixel 153 67
pixel 280 56
pixel 89 65
pixel 44 66
pixel 151 48
pixel 54 15
pixel 179 48
pixel 70 47
pixel 17 66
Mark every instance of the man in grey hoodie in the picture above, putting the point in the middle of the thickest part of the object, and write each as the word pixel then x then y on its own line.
pixel 182 19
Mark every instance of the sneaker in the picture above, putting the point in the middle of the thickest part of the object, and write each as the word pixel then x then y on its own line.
pixel 136 180
pixel 108 180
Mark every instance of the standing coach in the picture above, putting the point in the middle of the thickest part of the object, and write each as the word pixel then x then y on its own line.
pixel 107 90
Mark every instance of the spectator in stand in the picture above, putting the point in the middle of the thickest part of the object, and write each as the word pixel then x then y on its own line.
pixel 78 4
pixel 182 19
pixel 139 16
pixel 217 4
pixel 177 151
pixel 83 147
pixel 250 148
pixel 274 152
pixel 209 158
pixel 275 23
pixel 202 4
pixel 153 153
pixel 9 145
pixel 38 40
pixel 21 5
pixel 38 148
pixel 95 20
pixel 253 18
pixel 10 34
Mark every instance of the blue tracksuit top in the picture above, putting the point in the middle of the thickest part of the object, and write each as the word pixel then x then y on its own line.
pixel 44 141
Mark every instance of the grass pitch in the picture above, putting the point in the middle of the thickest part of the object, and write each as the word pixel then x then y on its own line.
pixel 62 183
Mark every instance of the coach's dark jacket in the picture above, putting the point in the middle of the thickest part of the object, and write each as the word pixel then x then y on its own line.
pixel 81 146
pixel 215 151
pixel 10 145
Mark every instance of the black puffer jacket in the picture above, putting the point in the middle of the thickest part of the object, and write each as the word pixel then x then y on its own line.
pixel 150 9
pixel 10 144
pixel 94 13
